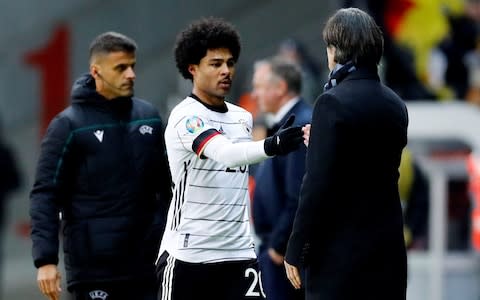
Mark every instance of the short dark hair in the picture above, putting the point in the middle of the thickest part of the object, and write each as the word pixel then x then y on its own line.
pixel 111 42
pixel 285 70
pixel 356 37
pixel 207 33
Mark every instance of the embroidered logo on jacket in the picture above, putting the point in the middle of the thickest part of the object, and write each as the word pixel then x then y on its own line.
pixel 98 295
pixel 98 134
pixel 145 129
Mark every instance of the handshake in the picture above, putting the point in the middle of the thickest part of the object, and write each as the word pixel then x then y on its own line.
pixel 287 139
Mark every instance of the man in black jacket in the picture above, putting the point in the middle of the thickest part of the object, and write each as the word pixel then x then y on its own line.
pixel 348 229
pixel 103 173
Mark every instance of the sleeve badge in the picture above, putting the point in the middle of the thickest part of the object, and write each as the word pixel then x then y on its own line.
pixel 194 124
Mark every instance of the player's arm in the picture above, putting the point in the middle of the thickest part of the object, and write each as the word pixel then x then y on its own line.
pixel 212 144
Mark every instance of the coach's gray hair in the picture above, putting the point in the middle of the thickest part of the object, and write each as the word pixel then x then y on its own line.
pixel 285 70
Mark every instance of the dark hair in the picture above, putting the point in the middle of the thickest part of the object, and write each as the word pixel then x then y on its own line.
pixel 288 71
pixel 204 34
pixel 112 42
pixel 356 37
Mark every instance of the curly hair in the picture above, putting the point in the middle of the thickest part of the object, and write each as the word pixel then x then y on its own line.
pixel 207 33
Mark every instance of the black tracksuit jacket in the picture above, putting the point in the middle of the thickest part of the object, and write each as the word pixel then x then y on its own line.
pixel 103 166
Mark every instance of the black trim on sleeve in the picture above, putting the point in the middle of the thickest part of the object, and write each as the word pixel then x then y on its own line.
pixel 202 139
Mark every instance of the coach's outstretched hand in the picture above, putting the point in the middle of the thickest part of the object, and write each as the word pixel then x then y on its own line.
pixel 287 139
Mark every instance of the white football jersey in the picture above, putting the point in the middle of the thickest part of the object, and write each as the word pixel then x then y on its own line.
pixel 208 218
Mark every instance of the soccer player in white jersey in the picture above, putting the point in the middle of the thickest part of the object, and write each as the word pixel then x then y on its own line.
pixel 207 251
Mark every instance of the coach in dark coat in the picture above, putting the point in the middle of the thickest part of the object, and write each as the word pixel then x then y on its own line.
pixel 348 229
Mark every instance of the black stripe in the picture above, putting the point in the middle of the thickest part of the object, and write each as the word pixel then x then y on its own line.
pixel 218 187
pixel 184 187
pixel 175 209
pixel 217 220
pixel 209 170
pixel 179 202
pixel 221 204
pixel 217 235
pixel 201 138
pixel 226 170
pixel 226 123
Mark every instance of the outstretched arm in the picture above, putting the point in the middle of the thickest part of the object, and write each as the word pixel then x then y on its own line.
pixel 217 147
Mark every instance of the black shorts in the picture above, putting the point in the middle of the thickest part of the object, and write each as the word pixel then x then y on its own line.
pixel 230 280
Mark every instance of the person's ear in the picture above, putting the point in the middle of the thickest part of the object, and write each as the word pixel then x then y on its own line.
pixel 192 69
pixel 94 71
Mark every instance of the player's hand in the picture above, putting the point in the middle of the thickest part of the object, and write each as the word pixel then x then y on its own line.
pixel 306 134
pixel 48 279
pixel 293 275
pixel 276 257
pixel 287 139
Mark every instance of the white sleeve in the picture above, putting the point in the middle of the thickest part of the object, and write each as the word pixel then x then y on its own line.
pixel 222 150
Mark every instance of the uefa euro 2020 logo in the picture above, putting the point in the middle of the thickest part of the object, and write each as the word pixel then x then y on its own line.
pixel 194 124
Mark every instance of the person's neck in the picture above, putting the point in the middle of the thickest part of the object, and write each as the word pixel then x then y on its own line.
pixel 208 98
pixel 221 108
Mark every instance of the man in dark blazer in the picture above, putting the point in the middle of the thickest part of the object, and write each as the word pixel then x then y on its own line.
pixel 276 87
pixel 348 229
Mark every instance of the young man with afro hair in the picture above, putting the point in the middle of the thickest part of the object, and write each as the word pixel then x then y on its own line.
pixel 207 251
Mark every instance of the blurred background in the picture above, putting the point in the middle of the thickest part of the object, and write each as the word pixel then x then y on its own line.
pixel 432 60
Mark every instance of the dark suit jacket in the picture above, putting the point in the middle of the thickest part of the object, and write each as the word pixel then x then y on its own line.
pixel 277 187
pixel 349 217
